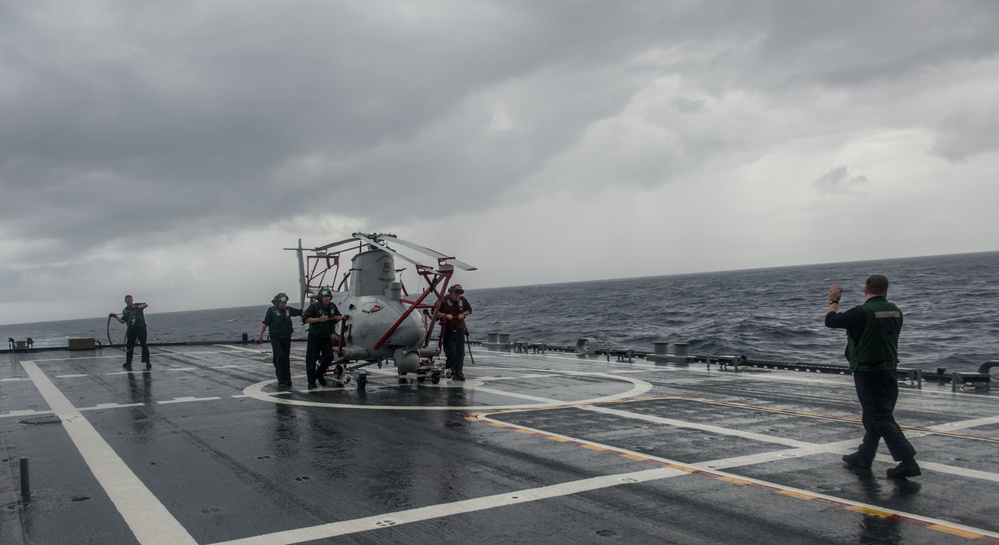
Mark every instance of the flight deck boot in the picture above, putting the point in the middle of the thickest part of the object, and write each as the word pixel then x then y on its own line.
pixel 908 468
pixel 857 460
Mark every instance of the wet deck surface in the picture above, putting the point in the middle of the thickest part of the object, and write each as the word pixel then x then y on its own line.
pixel 531 449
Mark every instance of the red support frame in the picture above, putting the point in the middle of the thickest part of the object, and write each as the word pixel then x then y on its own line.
pixel 321 263
pixel 434 278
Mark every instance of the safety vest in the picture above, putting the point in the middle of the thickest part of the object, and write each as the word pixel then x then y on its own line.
pixel 454 308
pixel 281 326
pixel 877 349
pixel 322 329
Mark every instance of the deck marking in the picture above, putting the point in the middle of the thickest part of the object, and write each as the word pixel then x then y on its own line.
pixel 146 516
pixel 25 412
pixel 703 427
pixel 542 400
pixel 101 406
pixel 71 376
pixel 186 400
pixel 786 375
pixel 802 448
pixel 806 495
pixel 111 406
pixel 943 429
pixel 252 350
pixel 973 423
pixel 77 358
pixel 639 387
pixel 420 514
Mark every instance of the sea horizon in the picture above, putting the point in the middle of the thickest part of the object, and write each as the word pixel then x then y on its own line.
pixel 567 283
pixel 774 313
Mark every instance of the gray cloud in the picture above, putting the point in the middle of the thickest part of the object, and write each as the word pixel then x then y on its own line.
pixel 967 132
pixel 839 180
pixel 141 124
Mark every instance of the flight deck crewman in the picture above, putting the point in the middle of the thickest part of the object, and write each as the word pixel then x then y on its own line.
pixel 872 331
pixel 133 317
pixel 322 317
pixel 278 319
pixel 452 312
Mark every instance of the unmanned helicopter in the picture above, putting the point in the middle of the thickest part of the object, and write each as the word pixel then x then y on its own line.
pixel 385 321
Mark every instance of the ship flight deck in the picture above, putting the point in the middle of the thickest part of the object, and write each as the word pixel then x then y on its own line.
pixel 532 448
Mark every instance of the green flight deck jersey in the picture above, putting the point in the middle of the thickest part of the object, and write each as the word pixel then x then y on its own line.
pixel 877 349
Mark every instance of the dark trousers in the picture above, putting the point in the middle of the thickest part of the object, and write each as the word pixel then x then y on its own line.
pixel 133 334
pixel 281 348
pixel 318 349
pixel 878 392
pixel 454 350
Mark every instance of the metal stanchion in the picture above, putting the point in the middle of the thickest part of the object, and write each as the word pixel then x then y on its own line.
pixel 25 481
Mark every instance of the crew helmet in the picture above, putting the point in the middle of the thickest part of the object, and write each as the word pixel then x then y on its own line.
pixel 325 292
pixel 280 298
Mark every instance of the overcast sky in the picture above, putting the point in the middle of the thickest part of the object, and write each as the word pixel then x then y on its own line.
pixel 172 149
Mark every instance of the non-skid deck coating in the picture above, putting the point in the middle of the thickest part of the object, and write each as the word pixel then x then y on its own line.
pixel 531 449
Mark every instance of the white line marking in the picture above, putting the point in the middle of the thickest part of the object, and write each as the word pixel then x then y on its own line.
pixel 802 448
pixel 702 427
pixel 26 412
pixel 965 424
pixel 71 376
pixel 542 400
pixel 408 516
pixel 77 358
pixel 638 388
pixel 111 406
pixel 186 400
pixel 253 350
pixel 950 470
pixel 149 520
pixel 13 379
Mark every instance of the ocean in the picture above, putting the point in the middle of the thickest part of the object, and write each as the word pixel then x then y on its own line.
pixel 949 303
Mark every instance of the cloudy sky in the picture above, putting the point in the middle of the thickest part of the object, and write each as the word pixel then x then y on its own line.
pixel 172 149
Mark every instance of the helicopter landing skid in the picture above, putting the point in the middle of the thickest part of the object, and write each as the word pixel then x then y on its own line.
pixel 434 371
pixel 340 375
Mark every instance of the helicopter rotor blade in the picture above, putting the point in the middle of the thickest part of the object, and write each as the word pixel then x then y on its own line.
pixel 412 245
pixel 337 243
pixel 326 246
pixel 376 241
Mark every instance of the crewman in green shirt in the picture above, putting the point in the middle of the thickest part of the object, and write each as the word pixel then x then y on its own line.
pixel 321 317
pixel 135 321
pixel 872 331
pixel 278 320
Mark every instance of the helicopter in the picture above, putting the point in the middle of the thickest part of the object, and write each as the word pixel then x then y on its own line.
pixel 384 320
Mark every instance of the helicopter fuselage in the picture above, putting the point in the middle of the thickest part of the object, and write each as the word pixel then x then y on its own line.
pixel 370 318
